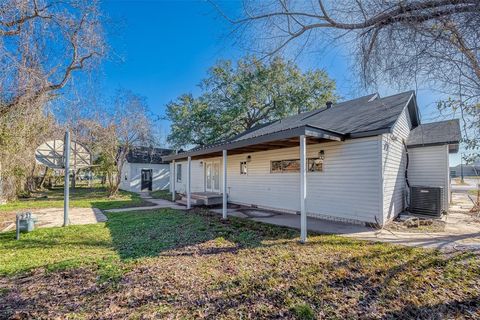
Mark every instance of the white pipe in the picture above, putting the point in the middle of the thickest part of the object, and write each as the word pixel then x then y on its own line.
pixel 303 189
pixel 66 187
pixel 224 208
pixel 189 169
pixel 174 178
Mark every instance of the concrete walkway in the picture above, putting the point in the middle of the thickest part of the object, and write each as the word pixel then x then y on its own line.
pixel 157 204
pixel 53 217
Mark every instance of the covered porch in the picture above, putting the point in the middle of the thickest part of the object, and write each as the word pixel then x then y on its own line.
pixel 299 137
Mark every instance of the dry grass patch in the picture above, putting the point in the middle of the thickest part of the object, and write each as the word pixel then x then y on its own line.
pixel 171 264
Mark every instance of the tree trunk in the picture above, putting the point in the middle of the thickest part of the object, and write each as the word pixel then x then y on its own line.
pixel 74 178
pixel 42 182
pixel 30 181
pixel 2 198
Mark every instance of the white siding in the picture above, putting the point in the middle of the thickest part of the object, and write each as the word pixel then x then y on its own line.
pixel 133 172
pixel 429 167
pixel 197 184
pixel 393 168
pixel 347 189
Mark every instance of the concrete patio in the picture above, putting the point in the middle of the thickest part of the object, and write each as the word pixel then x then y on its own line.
pixel 462 230
pixel 53 217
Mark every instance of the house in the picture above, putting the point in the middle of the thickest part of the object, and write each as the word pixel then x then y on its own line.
pixel 145 170
pixel 465 170
pixel 344 161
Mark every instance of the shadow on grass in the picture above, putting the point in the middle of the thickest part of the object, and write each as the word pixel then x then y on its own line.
pixel 153 233
pixel 83 197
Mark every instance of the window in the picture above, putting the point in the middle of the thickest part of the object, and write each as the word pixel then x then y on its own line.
pixel 275 166
pixel 243 167
pixel 291 165
pixel 179 172
pixel 283 166
pixel 315 165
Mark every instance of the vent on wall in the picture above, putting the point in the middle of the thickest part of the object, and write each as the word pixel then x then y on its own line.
pixel 426 200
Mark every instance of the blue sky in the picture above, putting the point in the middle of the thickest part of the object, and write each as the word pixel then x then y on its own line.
pixel 162 49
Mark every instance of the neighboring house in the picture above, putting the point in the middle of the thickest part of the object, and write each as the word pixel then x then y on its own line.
pixel 469 170
pixel 144 170
pixel 343 162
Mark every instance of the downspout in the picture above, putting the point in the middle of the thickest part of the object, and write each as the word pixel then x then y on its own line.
pixel 407 193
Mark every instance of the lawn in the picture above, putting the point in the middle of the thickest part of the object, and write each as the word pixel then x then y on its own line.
pixel 163 194
pixel 174 264
pixel 80 197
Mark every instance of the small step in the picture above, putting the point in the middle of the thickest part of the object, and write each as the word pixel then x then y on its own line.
pixel 193 202
pixel 205 196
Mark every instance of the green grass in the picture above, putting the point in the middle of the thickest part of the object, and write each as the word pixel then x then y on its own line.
pixel 81 197
pixel 161 194
pixel 175 264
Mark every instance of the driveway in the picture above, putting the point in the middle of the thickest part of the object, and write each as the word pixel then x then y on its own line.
pixel 469 184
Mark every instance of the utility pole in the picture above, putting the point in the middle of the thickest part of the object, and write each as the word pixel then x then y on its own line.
pixel 66 192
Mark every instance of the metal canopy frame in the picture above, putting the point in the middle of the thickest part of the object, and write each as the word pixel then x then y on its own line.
pixel 282 139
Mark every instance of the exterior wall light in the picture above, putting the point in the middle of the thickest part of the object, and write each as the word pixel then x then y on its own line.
pixel 249 158
pixel 321 155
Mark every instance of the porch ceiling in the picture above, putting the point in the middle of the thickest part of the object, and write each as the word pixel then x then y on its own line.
pixel 283 139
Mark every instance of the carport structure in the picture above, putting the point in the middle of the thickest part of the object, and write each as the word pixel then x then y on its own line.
pixel 294 137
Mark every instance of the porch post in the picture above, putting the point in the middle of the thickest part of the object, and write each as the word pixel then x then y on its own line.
pixel 303 190
pixel 224 186
pixel 189 169
pixel 174 178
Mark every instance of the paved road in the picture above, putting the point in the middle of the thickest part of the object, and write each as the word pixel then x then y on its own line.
pixel 471 184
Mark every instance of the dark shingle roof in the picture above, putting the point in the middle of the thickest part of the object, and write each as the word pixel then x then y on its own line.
pixel 366 114
pixel 147 155
pixel 435 133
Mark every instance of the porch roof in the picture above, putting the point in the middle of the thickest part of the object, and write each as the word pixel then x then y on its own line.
pixel 435 134
pixel 276 140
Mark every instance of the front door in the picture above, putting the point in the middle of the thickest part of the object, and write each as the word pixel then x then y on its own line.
pixel 146 179
pixel 212 176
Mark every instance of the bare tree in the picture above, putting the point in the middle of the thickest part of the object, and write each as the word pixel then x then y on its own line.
pixel 434 41
pixel 42 43
pixel 21 131
pixel 113 133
